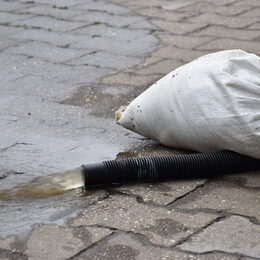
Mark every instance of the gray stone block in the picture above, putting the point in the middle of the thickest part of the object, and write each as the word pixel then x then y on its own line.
pixel 52 10
pixel 223 44
pixel 104 59
pixel 46 52
pixel 163 193
pixel 134 48
pixel 54 38
pixel 120 34
pixel 50 24
pixel 49 241
pixel 159 225
pixel 235 235
pixel 9 6
pixel 11 18
pixel 130 246
pixel 224 196
pixel 224 32
pixel 102 6
pixel 112 20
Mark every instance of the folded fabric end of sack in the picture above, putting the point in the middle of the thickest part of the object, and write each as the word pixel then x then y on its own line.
pixel 125 118
pixel 118 114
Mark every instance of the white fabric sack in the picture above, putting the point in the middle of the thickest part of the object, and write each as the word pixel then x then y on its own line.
pixel 209 104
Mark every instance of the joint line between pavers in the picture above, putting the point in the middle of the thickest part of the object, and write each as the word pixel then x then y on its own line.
pixel 101 241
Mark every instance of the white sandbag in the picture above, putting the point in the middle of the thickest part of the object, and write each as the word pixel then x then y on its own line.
pixel 210 104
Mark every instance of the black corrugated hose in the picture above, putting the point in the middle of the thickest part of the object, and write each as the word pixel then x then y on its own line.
pixel 160 168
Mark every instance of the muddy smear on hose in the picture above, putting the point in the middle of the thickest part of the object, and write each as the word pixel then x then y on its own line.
pixel 46 186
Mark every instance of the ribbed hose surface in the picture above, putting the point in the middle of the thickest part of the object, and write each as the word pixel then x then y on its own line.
pixel 170 167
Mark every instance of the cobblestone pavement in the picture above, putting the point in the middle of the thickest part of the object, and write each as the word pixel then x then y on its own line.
pixel 65 67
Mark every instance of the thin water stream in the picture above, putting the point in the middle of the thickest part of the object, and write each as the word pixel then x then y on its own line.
pixel 44 200
pixel 46 186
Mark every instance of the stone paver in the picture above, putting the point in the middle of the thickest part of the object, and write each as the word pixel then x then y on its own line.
pixel 251 13
pixel 163 193
pixel 185 55
pixel 250 180
pixel 102 30
pixel 231 22
pixel 159 225
pixel 252 3
pixel 12 18
pixel 142 25
pixel 125 246
pixel 48 53
pixel 6 30
pixel 7 43
pixel 109 19
pixel 221 44
pixel 220 31
pixel 54 11
pixel 136 80
pixel 6 244
pixel 12 6
pixel 65 67
pixel 160 67
pixel 166 15
pixel 179 28
pixel 117 47
pixel 56 91
pixel 230 235
pixel 51 24
pixel 213 8
pixel 185 42
pixel 224 196
pixel 54 38
pixel 46 241
pixel 102 6
pixel 59 72
pixel 255 26
pixel 104 59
